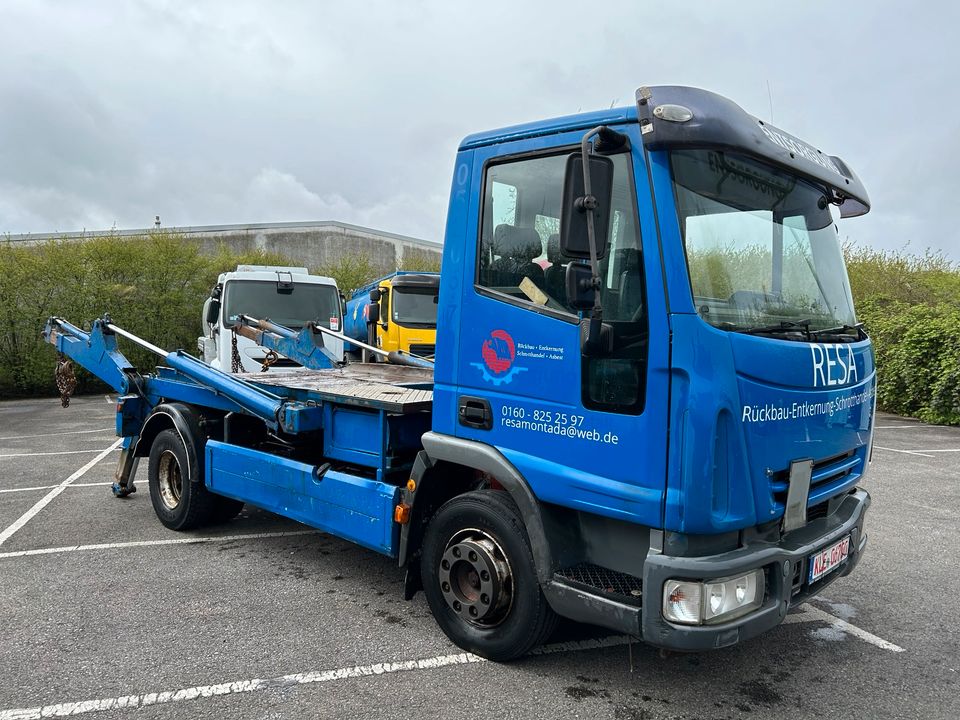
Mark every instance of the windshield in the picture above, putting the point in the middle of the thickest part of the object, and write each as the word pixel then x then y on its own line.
pixel 761 246
pixel 415 308
pixel 294 309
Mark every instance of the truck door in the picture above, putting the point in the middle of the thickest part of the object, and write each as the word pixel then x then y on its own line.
pixel 587 433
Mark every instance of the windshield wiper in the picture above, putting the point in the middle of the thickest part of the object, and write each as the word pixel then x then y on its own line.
pixel 784 326
pixel 843 330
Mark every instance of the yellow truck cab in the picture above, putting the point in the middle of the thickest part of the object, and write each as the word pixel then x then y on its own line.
pixel 396 312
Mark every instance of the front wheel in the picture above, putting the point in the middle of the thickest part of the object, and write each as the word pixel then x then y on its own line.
pixel 480 580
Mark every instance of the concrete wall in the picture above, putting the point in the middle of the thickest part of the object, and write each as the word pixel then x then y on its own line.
pixel 309 243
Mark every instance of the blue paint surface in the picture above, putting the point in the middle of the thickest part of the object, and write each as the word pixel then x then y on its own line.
pixel 355 508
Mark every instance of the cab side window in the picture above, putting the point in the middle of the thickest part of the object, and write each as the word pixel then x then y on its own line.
pixel 521 211
pixel 519 259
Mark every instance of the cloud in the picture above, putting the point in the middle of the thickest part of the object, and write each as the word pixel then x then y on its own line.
pixel 236 111
pixel 280 196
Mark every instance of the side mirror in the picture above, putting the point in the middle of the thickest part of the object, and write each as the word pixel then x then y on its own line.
pixel 375 295
pixel 574 238
pixel 580 290
pixel 213 311
pixel 373 312
pixel 343 304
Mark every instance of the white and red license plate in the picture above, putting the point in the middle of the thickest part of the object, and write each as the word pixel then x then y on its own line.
pixel 829 559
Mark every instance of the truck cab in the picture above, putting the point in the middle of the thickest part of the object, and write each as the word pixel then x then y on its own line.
pixel 290 296
pixel 397 312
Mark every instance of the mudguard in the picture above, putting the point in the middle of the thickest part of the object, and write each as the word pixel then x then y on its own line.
pixel 186 421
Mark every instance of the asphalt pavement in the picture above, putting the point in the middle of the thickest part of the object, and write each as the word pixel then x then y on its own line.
pixel 105 613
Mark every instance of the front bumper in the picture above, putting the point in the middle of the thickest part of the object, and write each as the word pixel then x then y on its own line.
pixel 784 565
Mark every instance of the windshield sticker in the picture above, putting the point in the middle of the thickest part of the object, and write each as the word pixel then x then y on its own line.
pixel 830 367
pixel 772 412
pixel 499 353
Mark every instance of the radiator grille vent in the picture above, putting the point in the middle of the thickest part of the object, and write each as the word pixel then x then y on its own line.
pixel 628 588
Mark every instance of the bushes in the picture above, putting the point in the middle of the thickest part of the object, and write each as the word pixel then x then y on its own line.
pixel 152 285
pixel 353 271
pixel 910 305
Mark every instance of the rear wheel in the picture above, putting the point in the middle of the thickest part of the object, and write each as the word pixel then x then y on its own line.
pixel 479 577
pixel 181 504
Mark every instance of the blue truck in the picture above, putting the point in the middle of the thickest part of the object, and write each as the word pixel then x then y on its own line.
pixel 651 410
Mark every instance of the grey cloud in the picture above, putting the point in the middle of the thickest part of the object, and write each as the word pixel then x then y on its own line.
pixel 242 111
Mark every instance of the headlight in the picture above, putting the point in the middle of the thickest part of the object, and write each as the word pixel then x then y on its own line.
pixel 695 603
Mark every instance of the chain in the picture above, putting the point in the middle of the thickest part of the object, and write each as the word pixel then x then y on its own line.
pixel 269 359
pixel 65 378
pixel 235 363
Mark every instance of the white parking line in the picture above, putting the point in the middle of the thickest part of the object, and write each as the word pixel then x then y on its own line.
pixel 133 702
pixel 904 452
pixel 67 432
pixel 814 614
pixel 59 452
pixel 146 543
pixel 43 502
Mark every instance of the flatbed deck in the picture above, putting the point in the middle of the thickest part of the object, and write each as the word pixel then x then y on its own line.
pixel 392 388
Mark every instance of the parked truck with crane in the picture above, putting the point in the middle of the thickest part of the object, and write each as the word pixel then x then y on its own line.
pixel 670 443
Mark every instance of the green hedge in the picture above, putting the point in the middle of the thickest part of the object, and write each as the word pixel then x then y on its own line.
pixel 153 286
pixel 910 305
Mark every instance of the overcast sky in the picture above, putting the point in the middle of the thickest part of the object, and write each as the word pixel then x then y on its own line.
pixel 235 111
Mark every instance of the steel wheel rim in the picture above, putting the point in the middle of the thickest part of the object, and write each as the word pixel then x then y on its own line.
pixel 476 579
pixel 169 479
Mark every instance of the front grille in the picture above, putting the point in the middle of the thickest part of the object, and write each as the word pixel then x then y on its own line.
pixel 829 477
pixel 628 588
pixel 425 351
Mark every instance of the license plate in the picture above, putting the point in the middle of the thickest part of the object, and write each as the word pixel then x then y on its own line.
pixel 829 559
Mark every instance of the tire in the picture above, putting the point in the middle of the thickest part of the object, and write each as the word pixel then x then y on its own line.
pixel 227 509
pixel 179 503
pixel 500 616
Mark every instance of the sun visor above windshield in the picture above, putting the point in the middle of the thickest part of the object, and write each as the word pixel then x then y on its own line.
pixel 426 281
pixel 685 117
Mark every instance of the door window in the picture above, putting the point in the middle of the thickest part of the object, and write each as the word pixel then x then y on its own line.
pixel 519 260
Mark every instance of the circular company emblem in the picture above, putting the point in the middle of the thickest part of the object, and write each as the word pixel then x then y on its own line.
pixel 498 352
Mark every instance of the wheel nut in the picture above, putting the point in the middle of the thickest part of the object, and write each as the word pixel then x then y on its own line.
pixel 473 611
pixel 485 576
pixel 485 599
pixel 472 556
pixel 457 606
pixel 445 564
pixel 445 587
pixel 456 552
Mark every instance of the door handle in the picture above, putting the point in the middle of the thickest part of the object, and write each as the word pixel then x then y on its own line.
pixel 474 412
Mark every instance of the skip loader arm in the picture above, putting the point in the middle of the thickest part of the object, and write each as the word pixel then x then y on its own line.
pixel 304 347
pixel 194 382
